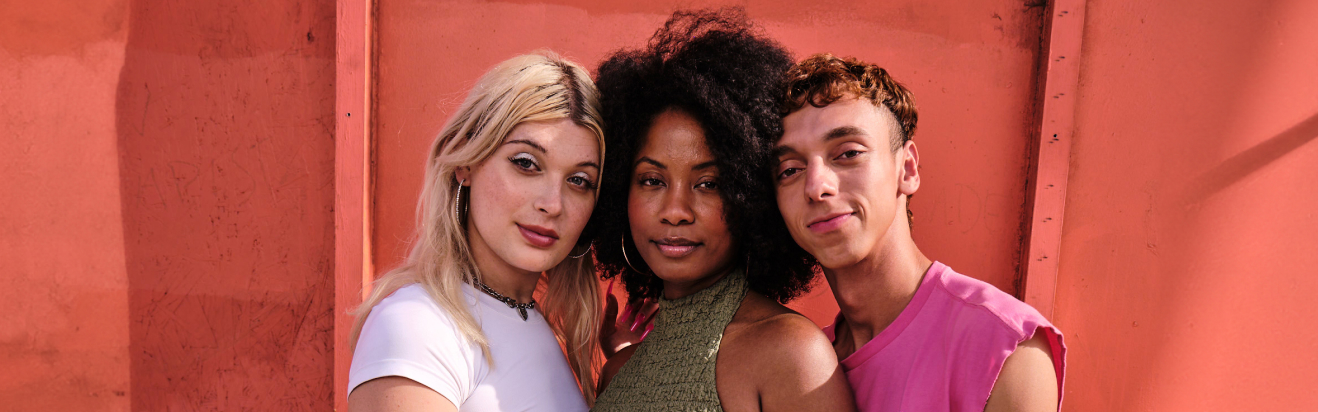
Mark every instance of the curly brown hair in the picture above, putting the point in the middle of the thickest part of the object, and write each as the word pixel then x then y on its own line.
pixel 824 78
pixel 718 67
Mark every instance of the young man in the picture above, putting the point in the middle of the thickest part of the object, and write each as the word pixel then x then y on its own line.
pixel 913 335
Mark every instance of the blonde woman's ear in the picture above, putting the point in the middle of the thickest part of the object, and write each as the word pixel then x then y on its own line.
pixel 462 174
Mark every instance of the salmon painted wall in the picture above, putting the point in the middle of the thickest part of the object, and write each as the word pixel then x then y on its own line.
pixel 971 67
pixel 1187 269
pixel 166 215
pixel 166 221
pixel 64 335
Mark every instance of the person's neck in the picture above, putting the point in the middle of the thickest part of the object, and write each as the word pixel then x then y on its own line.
pixel 496 273
pixel 874 291
pixel 678 290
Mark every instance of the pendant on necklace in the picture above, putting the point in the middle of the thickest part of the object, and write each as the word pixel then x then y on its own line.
pixel 521 307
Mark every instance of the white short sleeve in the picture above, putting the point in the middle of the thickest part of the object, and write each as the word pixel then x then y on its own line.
pixel 408 335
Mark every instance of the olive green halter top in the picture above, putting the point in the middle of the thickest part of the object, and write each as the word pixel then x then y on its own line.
pixel 673 369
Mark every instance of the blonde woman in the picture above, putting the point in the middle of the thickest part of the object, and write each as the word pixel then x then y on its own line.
pixel 510 184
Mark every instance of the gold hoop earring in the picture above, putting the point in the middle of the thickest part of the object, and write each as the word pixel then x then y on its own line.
pixel 583 254
pixel 622 240
pixel 457 202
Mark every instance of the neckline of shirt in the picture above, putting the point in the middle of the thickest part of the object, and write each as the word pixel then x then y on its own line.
pixel 499 308
pixel 895 329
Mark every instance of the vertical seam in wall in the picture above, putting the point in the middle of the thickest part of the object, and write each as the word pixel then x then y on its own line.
pixel 1051 153
pixel 1040 71
pixel 373 33
pixel 352 170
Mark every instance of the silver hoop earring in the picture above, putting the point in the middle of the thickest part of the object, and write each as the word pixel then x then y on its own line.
pixel 457 202
pixel 583 254
pixel 622 240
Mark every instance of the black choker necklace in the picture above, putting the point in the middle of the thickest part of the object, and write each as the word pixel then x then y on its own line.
pixel 521 307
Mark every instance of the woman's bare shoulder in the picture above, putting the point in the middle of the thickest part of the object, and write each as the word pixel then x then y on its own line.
pixel 785 356
pixel 769 329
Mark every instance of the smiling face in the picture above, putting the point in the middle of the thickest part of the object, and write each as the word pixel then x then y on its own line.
pixel 841 188
pixel 531 199
pixel 673 205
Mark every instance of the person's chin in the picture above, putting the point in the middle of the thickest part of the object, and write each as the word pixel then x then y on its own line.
pixel 835 255
pixel 534 259
pixel 666 268
pixel 677 274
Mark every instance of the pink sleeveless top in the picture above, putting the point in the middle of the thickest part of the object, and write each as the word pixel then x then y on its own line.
pixel 944 351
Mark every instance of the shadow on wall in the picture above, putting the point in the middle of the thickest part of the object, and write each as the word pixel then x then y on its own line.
pixel 225 137
pixel 1249 161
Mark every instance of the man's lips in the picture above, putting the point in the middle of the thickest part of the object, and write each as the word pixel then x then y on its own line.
pixel 676 247
pixel 538 236
pixel 829 222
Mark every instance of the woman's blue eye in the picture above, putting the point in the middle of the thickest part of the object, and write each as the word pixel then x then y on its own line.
pixel 524 161
pixel 581 181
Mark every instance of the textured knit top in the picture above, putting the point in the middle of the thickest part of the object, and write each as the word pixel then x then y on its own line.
pixel 673 369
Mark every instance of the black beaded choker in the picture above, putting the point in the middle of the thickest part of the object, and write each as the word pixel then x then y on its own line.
pixel 521 307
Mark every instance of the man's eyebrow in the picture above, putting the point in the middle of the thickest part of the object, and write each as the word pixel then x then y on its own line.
pixel 528 143
pixel 656 163
pixel 783 150
pixel 844 131
pixel 836 133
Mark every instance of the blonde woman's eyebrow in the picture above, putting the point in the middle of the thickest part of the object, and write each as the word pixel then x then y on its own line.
pixel 528 143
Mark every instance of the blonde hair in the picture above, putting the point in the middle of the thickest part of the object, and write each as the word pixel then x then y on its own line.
pixel 526 88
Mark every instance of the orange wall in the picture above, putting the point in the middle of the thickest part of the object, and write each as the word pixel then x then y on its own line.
pixel 64 332
pixel 166 221
pixel 166 207
pixel 1187 268
pixel 971 67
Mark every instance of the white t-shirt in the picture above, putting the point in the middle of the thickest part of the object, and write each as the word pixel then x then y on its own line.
pixel 408 335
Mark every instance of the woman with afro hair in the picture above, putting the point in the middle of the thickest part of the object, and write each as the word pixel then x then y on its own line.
pixel 687 215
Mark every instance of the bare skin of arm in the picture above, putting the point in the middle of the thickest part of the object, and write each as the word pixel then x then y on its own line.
pixel 397 394
pixel 613 365
pixel 774 359
pixel 1028 381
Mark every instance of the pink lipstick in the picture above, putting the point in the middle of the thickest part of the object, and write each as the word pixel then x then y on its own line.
pixel 538 236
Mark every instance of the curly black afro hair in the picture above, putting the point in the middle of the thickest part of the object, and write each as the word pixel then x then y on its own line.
pixel 716 67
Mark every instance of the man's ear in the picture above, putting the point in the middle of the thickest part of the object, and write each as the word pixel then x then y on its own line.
pixel 909 175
